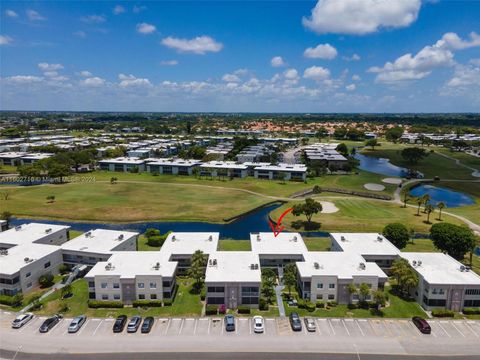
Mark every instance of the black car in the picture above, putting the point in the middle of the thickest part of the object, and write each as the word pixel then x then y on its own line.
pixel 295 322
pixel 422 325
pixel 229 323
pixel 147 324
pixel 120 323
pixel 50 323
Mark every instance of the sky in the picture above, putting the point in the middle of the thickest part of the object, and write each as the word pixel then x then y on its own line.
pixel 251 56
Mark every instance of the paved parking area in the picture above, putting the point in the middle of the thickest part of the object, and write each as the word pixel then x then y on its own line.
pixel 214 327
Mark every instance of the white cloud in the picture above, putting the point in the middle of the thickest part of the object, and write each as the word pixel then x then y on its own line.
pixel 85 73
pixel 132 81
pixel 361 16
pixel 316 73
pixel 354 57
pixel 80 34
pixel 93 19
pixel 145 28
pixel 169 62
pixel 199 45
pixel 11 13
pixel 46 67
pixel 93 81
pixel 277 61
pixel 5 40
pixel 230 78
pixel 34 15
pixel 465 75
pixel 22 79
pixel 414 67
pixel 137 9
pixel 322 51
pixel 118 9
pixel 351 87
pixel 356 78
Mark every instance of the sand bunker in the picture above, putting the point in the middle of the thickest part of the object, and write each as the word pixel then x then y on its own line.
pixel 328 207
pixel 374 187
pixel 393 181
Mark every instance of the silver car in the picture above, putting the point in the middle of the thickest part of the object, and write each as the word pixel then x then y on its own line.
pixel 21 320
pixel 77 323
pixel 310 324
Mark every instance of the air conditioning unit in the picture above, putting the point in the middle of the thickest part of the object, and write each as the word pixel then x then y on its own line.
pixel 88 234
pixel 210 238
pixel 18 228
pixel 258 237
pixel 174 238
pixel 362 266
pixel 316 265
pixel 252 266
pixel 210 262
pixel 120 237
pixel 295 239
pixel 214 262
pixel 342 238
pixel 419 262
pixel 256 266
pixel 49 230
pixel 414 263
pixel 157 266
pixel 462 268
pixel 379 238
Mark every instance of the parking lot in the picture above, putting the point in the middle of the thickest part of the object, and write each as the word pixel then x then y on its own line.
pixel 213 327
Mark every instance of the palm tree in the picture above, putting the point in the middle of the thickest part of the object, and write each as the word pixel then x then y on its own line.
pixel 406 197
pixel 441 205
pixel 419 202
pixel 351 289
pixel 428 209
pixel 426 200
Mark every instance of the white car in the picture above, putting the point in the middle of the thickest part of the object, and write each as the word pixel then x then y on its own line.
pixel 21 320
pixel 258 324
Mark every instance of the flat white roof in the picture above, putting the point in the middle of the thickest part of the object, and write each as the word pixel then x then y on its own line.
pixel 129 264
pixel 37 156
pixel 265 243
pixel 186 243
pixel 283 167
pixel 17 256
pixel 28 233
pixel 12 154
pixel 123 160
pixel 175 162
pixel 233 266
pixel 98 241
pixel 365 243
pixel 224 165
pixel 439 268
pixel 335 263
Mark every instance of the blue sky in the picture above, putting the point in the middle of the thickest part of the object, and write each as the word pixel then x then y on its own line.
pixel 271 56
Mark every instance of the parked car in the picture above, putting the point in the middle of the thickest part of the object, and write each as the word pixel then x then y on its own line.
pixel 295 322
pixel 422 325
pixel 119 324
pixel 77 323
pixel 229 323
pixel 50 323
pixel 258 324
pixel 21 320
pixel 147 325
pixel 134 324
pixel 310 324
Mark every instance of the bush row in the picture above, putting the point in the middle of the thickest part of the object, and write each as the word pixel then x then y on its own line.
pixel 95 304
pixel 357 193
pixel 11 300
pixel 471 311
pixel 442 313
pixel 147 303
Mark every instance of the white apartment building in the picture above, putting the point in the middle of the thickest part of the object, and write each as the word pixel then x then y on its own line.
pixel 281 171
pixel 172 166
pixel 223 168
pixel 122 164
pixel 443 282
pixel 277 251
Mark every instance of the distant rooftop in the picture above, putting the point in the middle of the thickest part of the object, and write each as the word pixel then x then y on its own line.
pixel 99 241
pixel 186 243
pixel 15 258
pixel 365 243
pixel 28 233
pixel 233 266
pixel 285 243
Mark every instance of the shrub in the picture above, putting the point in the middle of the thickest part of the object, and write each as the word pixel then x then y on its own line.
pixel 147 303
pixel 242 309
pixel 301 304
pixel 333 303
pixel 156 240
pixel 167 302
pixel 471 311
pixel 96 304
pixel 309 306
pixel 320 304
pixel 312 225
pixel 63 269
pixel 46 280
pixel 297 224
pixel 203 294
pixel 222 309
pixel 352 306
pixel 211 310
pixel 442 313
pixel 11 300
pixel 263 304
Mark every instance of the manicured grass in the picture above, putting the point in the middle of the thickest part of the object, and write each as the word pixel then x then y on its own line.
pixel 362 215
pixel 8 169
pixel 130 202
pixel 185 303
pixel 75 233
pixel 317 243
pixel 143 246
pixel 420 245
pixel 467 159
pixel 234 245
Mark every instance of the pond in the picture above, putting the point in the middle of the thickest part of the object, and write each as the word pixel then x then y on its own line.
pixel 380 166
pixel 451 198
pixel 239 229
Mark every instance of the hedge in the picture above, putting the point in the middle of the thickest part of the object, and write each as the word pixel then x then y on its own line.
pixel 320 304
pixel 211 310
pixel 309 306
pixel 11 300
pixel 147 303
pixel 167 302
pixel 301 303
pixel 242 309
pixel 263 304
pixel 471 311
pixel 442 313
pixel 95 304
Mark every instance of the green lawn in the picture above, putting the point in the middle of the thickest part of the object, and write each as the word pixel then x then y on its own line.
pixel 317 243
pixel 75 233
pixel 234 245
pixel 185 303
pixel 143 246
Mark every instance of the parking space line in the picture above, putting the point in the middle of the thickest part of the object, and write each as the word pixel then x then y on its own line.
pixel 27 324
pixel 453 323
pixel 250 326
pixel 445 331
pixel 345 326
pixel 467 324
pixel 181 326
pixel 209 321
pixel 331 326
pixel 83 326
pixel 168 325
pixel 359 328
pixel 100 323
pixel 195 326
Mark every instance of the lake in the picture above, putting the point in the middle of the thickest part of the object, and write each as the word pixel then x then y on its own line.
pixel 450 197
pixel 239 229
pixel 380 166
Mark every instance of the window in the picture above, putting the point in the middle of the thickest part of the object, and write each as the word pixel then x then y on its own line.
pixel 217 289
pixel 104 285
pixel 249 300
pixel 249 291
pixel 319 286
pixel 116 297
pixel 319 296
pixel 28 274
pixel 91 295
pixel 141 285
pixel 472 291
pixel 441 291
pixel 215 300
pixel 166 284
pixel 331 297
pixel 153 296
pixel 29 285
pixel 471 303
pixel 331 286
pixel 116 285
pixel 91 284
pixel 141 296
pixel 153 285
pixel 104 297
pixel 47 264
pixel 166 295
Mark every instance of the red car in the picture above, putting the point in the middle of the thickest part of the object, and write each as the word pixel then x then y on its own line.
pixel 422 325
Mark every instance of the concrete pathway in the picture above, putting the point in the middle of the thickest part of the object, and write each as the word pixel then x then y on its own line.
pixel 475 173
pixel 278 292
pixel 54 288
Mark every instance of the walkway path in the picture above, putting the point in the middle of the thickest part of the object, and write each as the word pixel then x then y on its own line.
pixel 476 172
pixel 54 288
pixel 278 293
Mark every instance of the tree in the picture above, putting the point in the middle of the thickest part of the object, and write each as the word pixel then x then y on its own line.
pixel 428 210
pixel 406 197
pixel 58 171
pixel 290 276
pixel 394 134
pixel 66 290
pixel 46 280
pixel 363 291
pixel 268 291
pixel 372 143
pixel 6 195
pixel 351 289
pixel 453 239
pixel 342 149
pixel 50 198
pixel 113 180
pixel 309 208
pixel 151 232
pixel 197 268
pixel 397 234
pixel 6 215
pixel 406 276
pixel 413 154
pixel 419 202
pixel 441 205
pixel 379 298
pixel 425 200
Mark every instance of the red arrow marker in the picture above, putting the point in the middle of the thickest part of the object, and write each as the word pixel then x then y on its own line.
pixel 277 228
